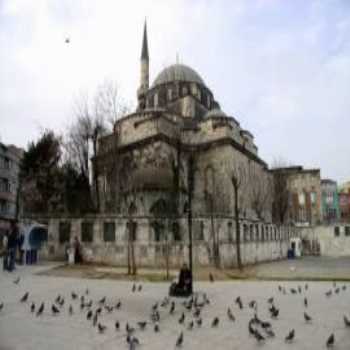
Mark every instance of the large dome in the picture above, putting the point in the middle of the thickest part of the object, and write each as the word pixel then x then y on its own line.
pixel 178 72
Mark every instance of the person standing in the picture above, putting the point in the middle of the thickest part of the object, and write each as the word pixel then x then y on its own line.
pixel 12 244
pixel 20 246
pixel 5 251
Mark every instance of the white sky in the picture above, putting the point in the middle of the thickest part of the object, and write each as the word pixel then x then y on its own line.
pixel 280 67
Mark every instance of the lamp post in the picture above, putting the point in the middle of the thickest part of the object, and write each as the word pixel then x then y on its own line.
pixel 190 179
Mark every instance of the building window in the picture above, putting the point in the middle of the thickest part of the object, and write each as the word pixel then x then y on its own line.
pixel 87 231
pixel 347 231
pixel 109 232
pixel 256 232
pixel 229 232
pixel 251 232
pixel 336 231
pixel 64 232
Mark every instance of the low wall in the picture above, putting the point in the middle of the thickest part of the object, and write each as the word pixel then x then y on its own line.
pixel 259 241
pixel 333 240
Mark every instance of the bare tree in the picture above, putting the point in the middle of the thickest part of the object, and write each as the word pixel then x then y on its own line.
pixel 238 179
pixel 260 191
pixel 281 193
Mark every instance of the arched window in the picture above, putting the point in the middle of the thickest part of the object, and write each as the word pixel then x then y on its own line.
pixel 251 232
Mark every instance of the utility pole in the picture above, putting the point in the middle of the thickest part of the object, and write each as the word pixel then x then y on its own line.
pixel 190 179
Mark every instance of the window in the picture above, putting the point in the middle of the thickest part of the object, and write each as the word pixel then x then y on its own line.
pixel 64 232
pixel 176 231
pixel 257 232
pixel 251 232
pixel 87 231
pixel 109 232
pixel 347 231
pixel 336 231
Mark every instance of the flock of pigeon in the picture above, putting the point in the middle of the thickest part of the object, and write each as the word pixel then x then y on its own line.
pixel 189 313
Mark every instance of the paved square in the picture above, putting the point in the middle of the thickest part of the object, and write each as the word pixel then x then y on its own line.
pixel 22 330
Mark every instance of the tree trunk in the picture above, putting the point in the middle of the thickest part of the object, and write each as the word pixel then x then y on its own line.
pixel 238 230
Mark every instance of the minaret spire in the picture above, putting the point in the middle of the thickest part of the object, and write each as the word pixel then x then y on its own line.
pixel 144 76
pixel 144 51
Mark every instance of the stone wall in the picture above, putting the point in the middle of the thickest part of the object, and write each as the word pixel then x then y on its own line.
pixel 260 242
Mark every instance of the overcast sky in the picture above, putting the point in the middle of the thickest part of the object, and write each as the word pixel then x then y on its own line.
pixel 280 67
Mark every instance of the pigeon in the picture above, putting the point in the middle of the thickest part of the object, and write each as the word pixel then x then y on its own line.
pixel 99 310
pixel 142 325
pixel 89 304
pixel 58 299
pixel 172 308
pixel 190 326
pixel 94 320
pixel 156 327
pixel 252 304
pixel 197 313
pixel 134 288
pixel 101 328
pixel 230 315
pixel 305 302
pixel 32 307
pixel 306 286
pixel 182 318
pixel 89 315
pixel 199 322
pixel 211 277
pixel 290 336
pixel 102 301
pixel 270 300
pixel 74 296
pixel 346 321
pixel 215 322
pixel 330 341
pixel 118 305
pixel 265 324
pixel 274 313
pixel 329 293
pixel 61 302
pixel 16 281
pixel 293 291
pixel 41 309
pixel 299 289
pixel 25 297
pixel 129 329
pixel 139 288
pixel 55 309
pixel 155 307
pixel 86 291
pixel 238 301
pixel 344 287
pixel 67 40
pixel 337 290
pixel 117 325
pixel 307 317
pixel 279 288
pixel 180 340
pixel 1 306
pixel 70 310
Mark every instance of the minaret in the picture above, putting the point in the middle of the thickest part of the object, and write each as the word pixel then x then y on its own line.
pixel 144 61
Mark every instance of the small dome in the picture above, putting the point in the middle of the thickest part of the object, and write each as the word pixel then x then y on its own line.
pixel 178 72
pixel 216 112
